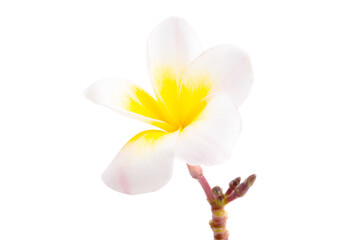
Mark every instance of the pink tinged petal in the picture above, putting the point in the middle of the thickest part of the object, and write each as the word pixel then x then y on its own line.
pixel 225 69
pixel 144 164
pixel 211 137
pixel 128 99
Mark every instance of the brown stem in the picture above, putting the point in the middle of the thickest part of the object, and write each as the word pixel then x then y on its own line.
pixel 219 215
pixel 218 200
pixel 218 222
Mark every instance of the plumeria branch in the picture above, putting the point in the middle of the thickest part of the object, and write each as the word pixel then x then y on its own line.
pixel 218 200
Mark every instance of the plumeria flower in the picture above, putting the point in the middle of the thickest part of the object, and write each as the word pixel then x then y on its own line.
pixel 195 109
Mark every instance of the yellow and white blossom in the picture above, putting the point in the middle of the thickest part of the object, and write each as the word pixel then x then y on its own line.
pixel 195 110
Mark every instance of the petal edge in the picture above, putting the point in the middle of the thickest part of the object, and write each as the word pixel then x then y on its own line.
pixel 144 164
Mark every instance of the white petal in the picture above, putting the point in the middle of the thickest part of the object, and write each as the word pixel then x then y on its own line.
pixel 225 69
pixel 144 164
pixel 211 137
pixel 129 99
pixel 172 45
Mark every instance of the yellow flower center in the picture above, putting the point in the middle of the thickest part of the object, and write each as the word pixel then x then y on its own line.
pixel 178 104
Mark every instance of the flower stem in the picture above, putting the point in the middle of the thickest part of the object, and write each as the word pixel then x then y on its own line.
pixel 197 173
pixel 218 200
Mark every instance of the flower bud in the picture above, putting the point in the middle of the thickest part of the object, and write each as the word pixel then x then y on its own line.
pixel 250 180
pixel 241 190
pixel 218 193
pixel 234 183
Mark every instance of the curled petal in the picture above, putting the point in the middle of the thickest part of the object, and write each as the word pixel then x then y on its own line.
pixel 144 164
pixel 210 138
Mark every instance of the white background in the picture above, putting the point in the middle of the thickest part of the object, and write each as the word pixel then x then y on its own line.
pixel 301 122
